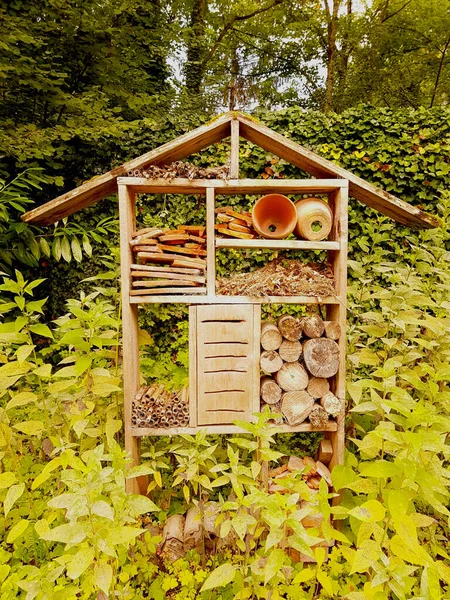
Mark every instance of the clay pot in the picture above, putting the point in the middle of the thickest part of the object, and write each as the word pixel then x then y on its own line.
pixel 313 213
pixel 274 216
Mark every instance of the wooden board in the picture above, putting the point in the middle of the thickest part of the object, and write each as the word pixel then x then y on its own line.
pixel 227 352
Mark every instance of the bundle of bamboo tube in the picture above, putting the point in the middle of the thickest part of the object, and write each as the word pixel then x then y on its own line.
pixel 232 223
pixel 156 407
pixel 171 261
pixel 298 357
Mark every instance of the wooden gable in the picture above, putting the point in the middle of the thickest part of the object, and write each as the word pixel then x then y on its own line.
pixel 252 130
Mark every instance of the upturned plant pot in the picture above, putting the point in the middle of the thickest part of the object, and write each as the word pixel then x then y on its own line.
pixel 274 216
pixel 314 219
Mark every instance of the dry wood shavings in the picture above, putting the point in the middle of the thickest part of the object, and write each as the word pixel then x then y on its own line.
pixel 280 277
pixel 180 169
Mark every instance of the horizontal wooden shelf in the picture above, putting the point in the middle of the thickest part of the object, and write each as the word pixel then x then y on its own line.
pixel 204 299
pixel 277 244
pixel 232 186
pixel 225 429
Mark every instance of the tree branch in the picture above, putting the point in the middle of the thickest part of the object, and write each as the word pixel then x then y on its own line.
pixel 233 20
pixel 441 64
pixel 383 20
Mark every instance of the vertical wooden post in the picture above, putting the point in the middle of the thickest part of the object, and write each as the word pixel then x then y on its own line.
pixel 193 366
pixel 130 343
pixel 210 243
pixel 234 166
pixel 338 312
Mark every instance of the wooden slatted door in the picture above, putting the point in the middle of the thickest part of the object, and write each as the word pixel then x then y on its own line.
pixel 227 362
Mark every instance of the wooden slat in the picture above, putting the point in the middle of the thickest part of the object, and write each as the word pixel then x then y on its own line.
pixel 318 166
pixel 233 186
pixel 130 329
pixel 210 246
pixel 217 363
pixel 234 159
pixel 277 244
pixel 88 193
pixel 225 429
pixel 220 332
pixel 225 351
pixel 192 366
pixel 208 299
pixel 161 292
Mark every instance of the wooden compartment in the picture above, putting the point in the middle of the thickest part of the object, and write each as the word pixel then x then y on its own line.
pixel 224 371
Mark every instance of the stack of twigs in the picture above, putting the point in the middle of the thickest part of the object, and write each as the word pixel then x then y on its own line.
pixel 156 407
pixel 176 260
pixel 232 223
pixel 280 277
pixel 180 169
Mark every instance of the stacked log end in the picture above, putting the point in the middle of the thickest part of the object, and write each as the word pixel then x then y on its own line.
pixel 156 407
pixel 298 358
pixel 235 224
pixel 169 261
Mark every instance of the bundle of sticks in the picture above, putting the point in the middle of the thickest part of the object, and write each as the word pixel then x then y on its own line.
pixel 232 223
pixel 296 381
pixel 180 169
pixel 170 260
pixel 154 406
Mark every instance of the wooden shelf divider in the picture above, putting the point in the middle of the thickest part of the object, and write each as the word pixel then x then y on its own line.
pixel 218 299
pixel 227 429
pixel 277 244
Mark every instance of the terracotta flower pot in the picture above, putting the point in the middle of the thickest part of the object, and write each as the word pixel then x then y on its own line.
pixel 274 216
pixel 314 219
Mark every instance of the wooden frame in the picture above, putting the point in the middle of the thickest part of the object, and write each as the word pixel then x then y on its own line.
pixel 335 306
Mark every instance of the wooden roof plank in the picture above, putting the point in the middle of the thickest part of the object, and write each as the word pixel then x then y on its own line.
pixel 95 189
pixel 318 166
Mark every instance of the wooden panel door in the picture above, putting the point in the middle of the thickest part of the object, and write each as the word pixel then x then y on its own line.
pixel 227 365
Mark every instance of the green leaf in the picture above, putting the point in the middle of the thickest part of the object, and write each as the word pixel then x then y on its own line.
pixel 123 535
pixel 69 533
pixel 12 495
pixel 371 511
pixel 21 399
pixel 65 249
pixel 139 505
pixel 40 329
pixel 103 575
pixel 56 249
pixel 81 561
pixel 274 564
pixel 82 364
pixel 30 427
pixel 7 479
pixel 380 469
pixel 16 531
pixel 76 249
pixel 105 389
pixel 220 577
pixel 45 247
pixel 24 352
pixel 103 509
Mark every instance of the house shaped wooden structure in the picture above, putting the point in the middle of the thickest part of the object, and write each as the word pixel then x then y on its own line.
pixel 219 316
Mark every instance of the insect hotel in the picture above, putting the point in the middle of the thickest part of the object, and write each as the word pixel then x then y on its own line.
pixel 238 362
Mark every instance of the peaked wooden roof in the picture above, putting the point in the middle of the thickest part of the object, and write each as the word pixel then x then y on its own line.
pixel 249 128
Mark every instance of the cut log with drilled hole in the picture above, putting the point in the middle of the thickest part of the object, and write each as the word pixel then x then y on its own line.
pixel 332 330
pixel 193 530
pixel 290 351
pixel 296 407
pixel 172 545
pixel 331 404
pixel 321 357
pixel 271 337
pixel 318 387
pixel 292 377
pixel 325 451
pixel 318 417
pixel 270 361
pixel 290 327
pixel 270 391
pixel 313 327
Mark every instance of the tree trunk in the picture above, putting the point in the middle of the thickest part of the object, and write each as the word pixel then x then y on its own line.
pixel 292 377
pixel 332 25
pixel 194 69
pixel 270 390
pixel 296 407
pixel 321 357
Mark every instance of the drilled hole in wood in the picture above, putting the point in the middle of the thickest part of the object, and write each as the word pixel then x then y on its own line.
pixel 227 371
pixel 226 392
pixel 316 226
pixel 224 321
pixel 226 356
pixel 218 343
pixel 224 410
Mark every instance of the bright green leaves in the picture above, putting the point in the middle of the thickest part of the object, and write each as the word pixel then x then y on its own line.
pixel 16 531
pixel 81 561
pixel 371 511
pixel 12 495
pixel 220 577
